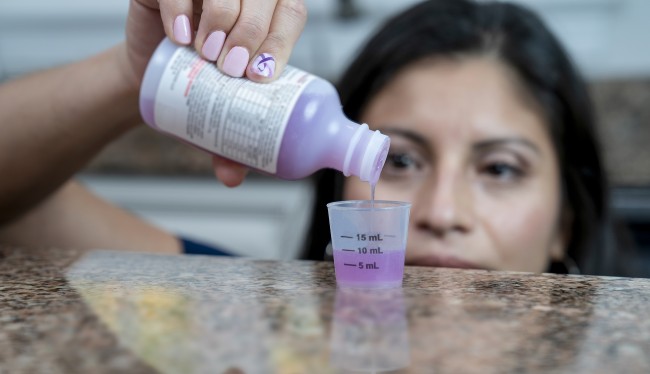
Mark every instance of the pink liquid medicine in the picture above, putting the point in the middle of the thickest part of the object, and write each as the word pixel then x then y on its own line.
pixel 289 128
pixel 369 270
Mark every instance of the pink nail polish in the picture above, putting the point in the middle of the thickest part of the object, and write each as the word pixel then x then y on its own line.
pixel 182 29
pixel 236 61
pixel 264 65
pixel 213 44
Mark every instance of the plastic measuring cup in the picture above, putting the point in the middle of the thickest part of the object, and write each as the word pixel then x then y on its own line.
pixel 369 242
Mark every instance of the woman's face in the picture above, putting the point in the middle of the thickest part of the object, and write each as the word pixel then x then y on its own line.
pixel 471 152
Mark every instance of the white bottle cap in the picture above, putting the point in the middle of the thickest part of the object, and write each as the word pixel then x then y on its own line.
pixel 351 147
pixel 374 157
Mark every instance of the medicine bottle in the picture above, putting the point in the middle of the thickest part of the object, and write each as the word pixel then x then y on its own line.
pixel 289 128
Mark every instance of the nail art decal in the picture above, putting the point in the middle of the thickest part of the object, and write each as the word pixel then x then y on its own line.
pixel 264 65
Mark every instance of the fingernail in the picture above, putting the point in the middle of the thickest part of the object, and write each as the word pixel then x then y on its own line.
pixel 182 29
pixel 264 65
pixel 213 44
pixel 232 176
pixel 235 62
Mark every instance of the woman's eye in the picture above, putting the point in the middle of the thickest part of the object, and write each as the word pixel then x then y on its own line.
pixel 502 171
pixel 400 160
pixel 401 165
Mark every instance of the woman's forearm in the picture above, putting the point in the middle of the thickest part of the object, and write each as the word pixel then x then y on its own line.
pixel 53 122
pixel 74 217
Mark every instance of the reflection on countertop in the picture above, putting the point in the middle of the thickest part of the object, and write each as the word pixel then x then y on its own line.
pixel 369 331
pixel 106 311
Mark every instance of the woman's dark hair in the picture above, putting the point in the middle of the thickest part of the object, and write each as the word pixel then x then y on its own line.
pixel 518 38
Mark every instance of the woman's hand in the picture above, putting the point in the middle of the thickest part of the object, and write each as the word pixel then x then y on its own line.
pixel 251 38
pixel 245 37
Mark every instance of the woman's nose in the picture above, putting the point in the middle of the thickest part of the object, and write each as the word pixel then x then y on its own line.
pixel 444 205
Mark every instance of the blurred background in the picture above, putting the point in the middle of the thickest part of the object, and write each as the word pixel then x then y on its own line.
pixel 172 185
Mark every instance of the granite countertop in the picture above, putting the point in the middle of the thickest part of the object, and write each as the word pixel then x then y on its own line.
pixel 105 311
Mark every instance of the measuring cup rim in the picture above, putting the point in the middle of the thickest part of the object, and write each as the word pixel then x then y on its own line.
pixel 352 204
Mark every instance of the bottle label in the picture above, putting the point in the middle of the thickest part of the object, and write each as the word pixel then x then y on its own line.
pixel 234 117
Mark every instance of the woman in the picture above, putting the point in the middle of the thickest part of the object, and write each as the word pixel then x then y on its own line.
pixel 492 140
pixel 491 127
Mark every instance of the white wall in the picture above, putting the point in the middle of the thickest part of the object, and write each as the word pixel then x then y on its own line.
pixel 608 38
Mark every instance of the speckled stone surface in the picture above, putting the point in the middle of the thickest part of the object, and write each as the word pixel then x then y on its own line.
pixel 61 312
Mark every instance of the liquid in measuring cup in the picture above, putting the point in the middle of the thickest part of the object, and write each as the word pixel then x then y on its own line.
pixel 385 269
pixel 368 242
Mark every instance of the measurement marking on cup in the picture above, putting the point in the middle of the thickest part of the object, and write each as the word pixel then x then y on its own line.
pixel 348 250
pixel 362 266
pixel 389 236
pixel 347 237
pixel 370 238
pixel 371 266
pixel 372 251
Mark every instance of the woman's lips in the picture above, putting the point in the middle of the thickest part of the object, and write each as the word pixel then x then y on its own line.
pixel 445 262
